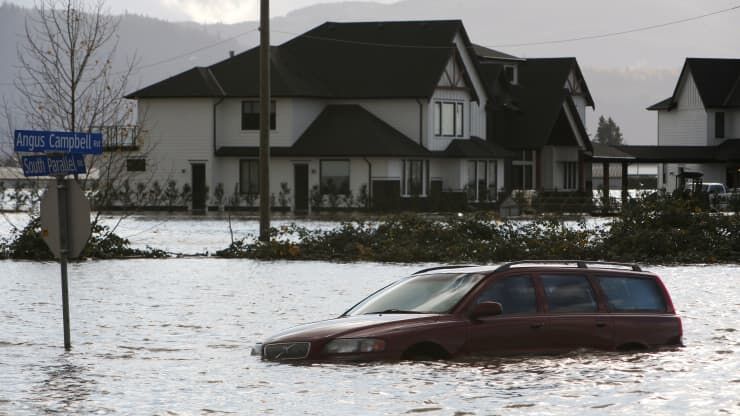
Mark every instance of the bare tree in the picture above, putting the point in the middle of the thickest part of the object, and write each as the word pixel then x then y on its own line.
pixel 67 82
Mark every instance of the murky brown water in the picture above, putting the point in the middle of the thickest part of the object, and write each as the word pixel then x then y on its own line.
pixel 173 337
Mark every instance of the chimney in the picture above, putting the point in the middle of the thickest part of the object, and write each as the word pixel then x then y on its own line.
pixel 231 54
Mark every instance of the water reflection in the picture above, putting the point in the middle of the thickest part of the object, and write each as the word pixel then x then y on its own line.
pixel 65 387
pixel 174 337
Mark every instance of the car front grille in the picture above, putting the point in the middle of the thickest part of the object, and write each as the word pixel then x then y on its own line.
pixel 286 351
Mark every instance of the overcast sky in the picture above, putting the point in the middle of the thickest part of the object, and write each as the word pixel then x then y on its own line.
pixel 204 11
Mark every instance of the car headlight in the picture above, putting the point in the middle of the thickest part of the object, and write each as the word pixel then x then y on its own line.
pixel 354 345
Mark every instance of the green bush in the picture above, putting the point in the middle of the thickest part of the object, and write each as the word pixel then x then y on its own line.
pixel 27 244
pixel 655 229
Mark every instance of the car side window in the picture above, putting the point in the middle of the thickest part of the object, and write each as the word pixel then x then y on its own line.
pixel 568 293
pixel 632 294
pixel 515 294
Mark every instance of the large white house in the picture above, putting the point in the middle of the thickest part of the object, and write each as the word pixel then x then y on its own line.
pixel 699 126
pixel 391 115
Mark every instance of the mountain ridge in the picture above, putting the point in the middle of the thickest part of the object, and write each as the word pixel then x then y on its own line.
pixel 625 73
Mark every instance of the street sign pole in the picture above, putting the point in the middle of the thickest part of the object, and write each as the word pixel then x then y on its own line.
pixel 63 249
pixel 62 156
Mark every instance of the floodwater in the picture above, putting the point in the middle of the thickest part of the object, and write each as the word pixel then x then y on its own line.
pixel 173 337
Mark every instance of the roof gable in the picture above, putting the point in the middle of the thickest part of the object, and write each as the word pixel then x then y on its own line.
pixel 540 98
pixel 716 80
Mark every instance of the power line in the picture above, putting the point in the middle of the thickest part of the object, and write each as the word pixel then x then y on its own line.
pixel 167 60
pixel 622 32
pixel 406 46
pixel 512 45
pixel 182 55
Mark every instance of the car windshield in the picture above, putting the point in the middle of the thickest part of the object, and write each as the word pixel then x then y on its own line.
pixel 430 293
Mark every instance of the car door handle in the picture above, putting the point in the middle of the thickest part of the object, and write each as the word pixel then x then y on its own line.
pixel 600 324
pixel 537 325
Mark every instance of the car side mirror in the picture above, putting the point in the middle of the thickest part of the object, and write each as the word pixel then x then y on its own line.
pixel 488 308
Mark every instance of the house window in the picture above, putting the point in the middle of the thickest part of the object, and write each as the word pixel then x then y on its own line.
pixel 511 74
pixel 570 175
pixel 482 184
pixel 335 177
pixel 523 170
pixel 249 176
pixel 136 165
pixel 449 119
pixel 251 115
pixel 719 125
pixel 414 181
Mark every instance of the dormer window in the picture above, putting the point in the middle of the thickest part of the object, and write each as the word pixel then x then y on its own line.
pixel 449 119
pixel 511 73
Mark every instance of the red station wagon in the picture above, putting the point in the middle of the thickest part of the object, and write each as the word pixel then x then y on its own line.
pixel 519 307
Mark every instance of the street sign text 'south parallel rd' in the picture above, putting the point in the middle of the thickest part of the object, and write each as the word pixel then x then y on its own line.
pixel 57 142
pixel 53 165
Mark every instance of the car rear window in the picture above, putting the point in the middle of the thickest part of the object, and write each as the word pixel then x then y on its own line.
pixel 568 293
pixel 632 294
pixel 515 294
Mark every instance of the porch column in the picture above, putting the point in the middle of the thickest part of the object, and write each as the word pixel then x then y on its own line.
pixel 538 182
pixel 625 183
pixel 581 172
pixel 606 200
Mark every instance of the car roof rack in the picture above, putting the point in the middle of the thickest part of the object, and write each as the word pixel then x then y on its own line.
pixel 581 264
pixel 449 266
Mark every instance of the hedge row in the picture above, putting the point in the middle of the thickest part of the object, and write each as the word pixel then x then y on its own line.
pixel 657 229
pixel 27 244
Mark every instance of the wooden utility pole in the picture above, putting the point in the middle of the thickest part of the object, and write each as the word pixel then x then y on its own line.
pixel 265 120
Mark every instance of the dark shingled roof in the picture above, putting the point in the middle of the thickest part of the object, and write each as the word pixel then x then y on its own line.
pixel 728 151
pixel 489 53
pixel 343 131
pixel 718 82
pixel 539 98
pixel 609 153
pixel 335 60
pixel 476 147
pixel 350 130
pixel 197 82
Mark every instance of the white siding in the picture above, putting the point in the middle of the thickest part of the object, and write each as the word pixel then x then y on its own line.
pixel 732 125
pixel 229 124
pixel 468 61
pixel 687 124
pixel 682 128
pixel 580 103
pixel 688 95
pixel 304 113
pixel 477 120
pixel 474 112
pixel 178 131
pixel 438 143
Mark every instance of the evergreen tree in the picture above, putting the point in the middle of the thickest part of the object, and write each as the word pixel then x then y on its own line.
pixel 608 132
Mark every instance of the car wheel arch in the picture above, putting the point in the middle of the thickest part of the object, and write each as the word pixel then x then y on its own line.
pixel 632 346
pixel 425 350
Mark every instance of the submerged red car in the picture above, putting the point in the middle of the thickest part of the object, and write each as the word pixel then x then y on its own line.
pixel 519 307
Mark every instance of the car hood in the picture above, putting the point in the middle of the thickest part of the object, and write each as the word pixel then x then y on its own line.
pixel 338 327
